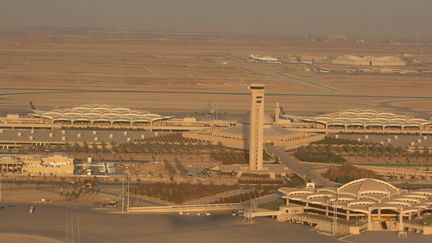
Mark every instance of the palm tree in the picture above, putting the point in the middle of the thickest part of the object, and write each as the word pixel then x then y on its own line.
pixel 85 147
pixel 67 147
pixel 426 153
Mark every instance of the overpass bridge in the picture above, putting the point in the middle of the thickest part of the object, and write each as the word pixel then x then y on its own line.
pixel 187 208
pixel 303 170
pixel 260 212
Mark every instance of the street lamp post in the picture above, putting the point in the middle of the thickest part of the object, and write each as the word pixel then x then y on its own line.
pixel 128 191
pixel 1 198
pixel 334 228
pixel 123 192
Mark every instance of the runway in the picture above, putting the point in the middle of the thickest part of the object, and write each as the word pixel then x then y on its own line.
pixel 185 102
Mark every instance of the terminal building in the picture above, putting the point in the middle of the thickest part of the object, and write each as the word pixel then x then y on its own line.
pixel 94 114
pixel 369 119
pixel 365 204
pixel 237 137
pixel 358 121
pixel 104 116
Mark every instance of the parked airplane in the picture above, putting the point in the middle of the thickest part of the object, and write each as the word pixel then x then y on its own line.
pixel 266 59
pixel 284 114
pixel 34 109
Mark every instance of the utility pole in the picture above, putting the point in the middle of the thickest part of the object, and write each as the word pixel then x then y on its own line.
pixel 128 192
pixel 123 192
pixel 1 198
pixel 335 217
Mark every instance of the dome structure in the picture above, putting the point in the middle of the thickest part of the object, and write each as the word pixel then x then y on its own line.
pixel 365 186
pixel 363 196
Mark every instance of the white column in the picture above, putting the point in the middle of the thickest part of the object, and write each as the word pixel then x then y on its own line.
pixel 401 220
pixel 369 219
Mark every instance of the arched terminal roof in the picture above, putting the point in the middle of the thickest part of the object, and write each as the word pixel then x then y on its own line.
pixel 368 186
pixel 360 117
pixel 361 194
pixel 101 113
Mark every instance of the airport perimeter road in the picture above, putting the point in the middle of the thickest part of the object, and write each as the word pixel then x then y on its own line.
pixel 299 168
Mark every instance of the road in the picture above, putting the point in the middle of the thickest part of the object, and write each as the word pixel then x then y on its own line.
pixel 81 224
pixel 301 169
pixel 197 208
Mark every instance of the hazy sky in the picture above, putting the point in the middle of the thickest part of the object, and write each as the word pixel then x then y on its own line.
pixel 359 17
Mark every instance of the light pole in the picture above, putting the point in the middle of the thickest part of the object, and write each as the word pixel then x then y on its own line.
pixel 123 191
pixel 335 216
pixel 128 192
pixel 1 198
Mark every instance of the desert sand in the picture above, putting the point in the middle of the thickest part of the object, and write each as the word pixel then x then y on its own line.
pixel 172 73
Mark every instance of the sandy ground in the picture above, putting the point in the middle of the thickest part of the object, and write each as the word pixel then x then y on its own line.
pixel 85 225
pixel 15 238
pixel 168 74
pixel 29 195
pixel 12 194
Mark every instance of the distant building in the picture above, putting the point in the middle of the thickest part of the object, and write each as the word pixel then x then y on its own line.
pixel 54 164
pixel 369 61
pixel 11 165
pixel 90 167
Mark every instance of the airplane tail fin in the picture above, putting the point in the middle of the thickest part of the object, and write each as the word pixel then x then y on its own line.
pixel 32 106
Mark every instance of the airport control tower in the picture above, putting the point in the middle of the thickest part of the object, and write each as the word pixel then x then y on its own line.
pixel 256 132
